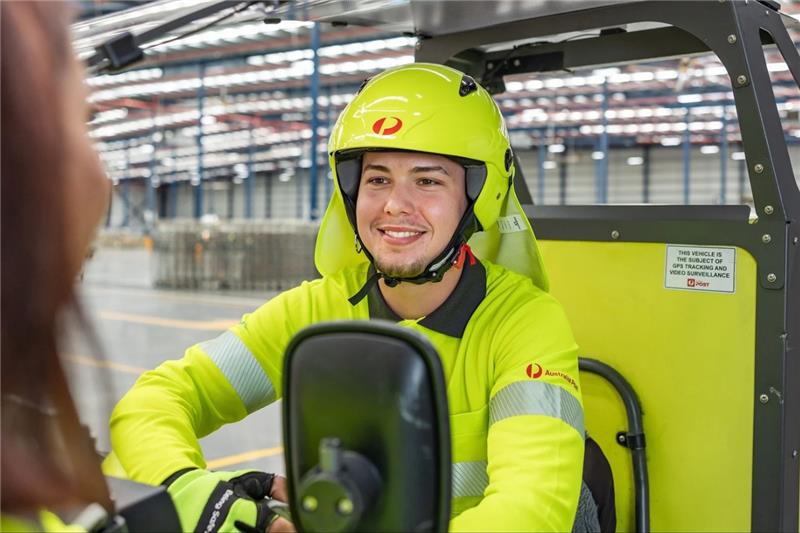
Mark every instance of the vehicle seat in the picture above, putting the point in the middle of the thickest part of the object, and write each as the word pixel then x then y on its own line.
pixel 596 509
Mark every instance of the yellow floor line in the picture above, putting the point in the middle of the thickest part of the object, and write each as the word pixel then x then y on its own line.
pixel 99 363
pixel 223 462
pixel 211 325
pixel 218 300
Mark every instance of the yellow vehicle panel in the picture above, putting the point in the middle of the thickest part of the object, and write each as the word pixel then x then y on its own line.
pixel 690 357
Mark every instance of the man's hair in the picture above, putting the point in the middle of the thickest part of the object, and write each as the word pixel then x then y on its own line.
pixel 47 459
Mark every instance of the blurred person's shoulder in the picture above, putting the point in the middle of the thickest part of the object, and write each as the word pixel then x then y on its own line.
pixel 45 521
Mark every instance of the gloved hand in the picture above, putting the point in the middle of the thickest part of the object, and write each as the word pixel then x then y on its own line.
pixel 208 502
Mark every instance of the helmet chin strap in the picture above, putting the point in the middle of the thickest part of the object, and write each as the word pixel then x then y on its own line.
pixel 436 269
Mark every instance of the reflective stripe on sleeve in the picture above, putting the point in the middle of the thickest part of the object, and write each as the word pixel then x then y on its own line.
pixel 469 479
pixel 536 398
pixel 239 365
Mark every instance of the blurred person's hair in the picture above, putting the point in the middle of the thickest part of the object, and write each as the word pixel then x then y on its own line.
pixel 48 460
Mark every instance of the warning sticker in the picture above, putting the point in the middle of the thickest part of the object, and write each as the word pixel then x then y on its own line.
pixel 700 268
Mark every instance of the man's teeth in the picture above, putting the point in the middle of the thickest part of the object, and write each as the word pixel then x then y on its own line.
pixel 401 234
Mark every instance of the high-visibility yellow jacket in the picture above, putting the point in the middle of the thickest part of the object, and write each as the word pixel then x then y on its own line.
pixel 43 521
pixel 512 382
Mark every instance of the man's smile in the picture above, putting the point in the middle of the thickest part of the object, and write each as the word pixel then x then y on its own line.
pixel 399 235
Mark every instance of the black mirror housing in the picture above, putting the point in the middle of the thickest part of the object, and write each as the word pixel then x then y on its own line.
pixel 366 429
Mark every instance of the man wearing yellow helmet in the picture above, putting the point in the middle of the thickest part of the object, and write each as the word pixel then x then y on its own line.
pixel 424 229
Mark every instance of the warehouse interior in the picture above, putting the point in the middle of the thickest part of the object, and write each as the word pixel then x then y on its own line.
pixel 219 123
pixel 216 146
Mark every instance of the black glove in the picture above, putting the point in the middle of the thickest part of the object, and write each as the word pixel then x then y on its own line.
pixel 208 502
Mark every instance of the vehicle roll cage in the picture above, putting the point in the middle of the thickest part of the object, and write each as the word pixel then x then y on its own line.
pixel 694 27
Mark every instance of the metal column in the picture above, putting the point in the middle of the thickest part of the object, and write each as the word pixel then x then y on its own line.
pixel 298 208
pixel 174 190
pixel 330 119
pixel 723 157
pixel 110 205
pixel 540 183
pixel 198 189
pixel 150 212
pixel 687 157
pixel 268 177
pixel 172 199
pixel 126 203
pixel 248 182
pixel 150 195
pixel 124 187
pixel 646 173
pixel 742 177
pixel 314 206
pixel 562 178
pixel 601 165
pixel 230 199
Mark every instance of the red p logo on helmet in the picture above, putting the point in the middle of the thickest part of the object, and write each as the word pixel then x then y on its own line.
pixel 387 125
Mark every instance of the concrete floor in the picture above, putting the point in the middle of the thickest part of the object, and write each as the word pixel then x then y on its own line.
pixel 138 328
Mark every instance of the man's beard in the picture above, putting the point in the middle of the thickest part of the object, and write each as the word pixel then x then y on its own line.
pixel 401 271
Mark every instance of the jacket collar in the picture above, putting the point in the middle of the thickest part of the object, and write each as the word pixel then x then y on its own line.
pixel 452 316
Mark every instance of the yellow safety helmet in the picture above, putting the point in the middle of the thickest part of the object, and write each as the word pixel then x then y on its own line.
pixel 431 108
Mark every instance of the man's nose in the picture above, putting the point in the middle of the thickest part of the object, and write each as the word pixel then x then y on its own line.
pixel 400 201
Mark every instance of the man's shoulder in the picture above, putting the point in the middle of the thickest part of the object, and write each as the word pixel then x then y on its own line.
pixel 509 293
pixel 500 279
pixel 515 306
pixel 321 297
pixel 344 283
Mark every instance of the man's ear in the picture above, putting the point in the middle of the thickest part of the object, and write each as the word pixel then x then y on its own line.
pixel 348 172
pixel 475 178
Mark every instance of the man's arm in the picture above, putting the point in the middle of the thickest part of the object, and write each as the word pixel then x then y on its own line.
pixel 535 438
pixel 156 426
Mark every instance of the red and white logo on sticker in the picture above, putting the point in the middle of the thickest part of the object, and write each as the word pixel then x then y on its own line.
pixel 387 125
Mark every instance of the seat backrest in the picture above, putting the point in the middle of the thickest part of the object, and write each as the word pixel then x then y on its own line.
pixel 599 480
pixel 596 508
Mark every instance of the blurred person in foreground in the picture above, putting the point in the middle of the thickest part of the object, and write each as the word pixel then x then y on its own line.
pixel 423 165
pixel 54 193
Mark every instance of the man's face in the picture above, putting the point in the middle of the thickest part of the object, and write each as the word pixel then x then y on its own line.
pixel 408 207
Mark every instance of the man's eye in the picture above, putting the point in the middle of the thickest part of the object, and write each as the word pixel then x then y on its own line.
pixel 377 180
pixel 427 181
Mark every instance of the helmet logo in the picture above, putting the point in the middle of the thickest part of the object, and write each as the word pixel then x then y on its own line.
pixel 387 125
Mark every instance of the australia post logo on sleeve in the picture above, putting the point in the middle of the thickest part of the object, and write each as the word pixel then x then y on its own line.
pixel 536 371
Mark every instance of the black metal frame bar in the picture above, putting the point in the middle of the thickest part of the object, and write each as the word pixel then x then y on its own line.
pixel 634 436
pixel 735 31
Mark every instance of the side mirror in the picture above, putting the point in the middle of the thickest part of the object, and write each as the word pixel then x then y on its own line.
pixel 366 429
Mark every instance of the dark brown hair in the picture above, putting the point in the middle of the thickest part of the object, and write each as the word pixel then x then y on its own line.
pixel 47 458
